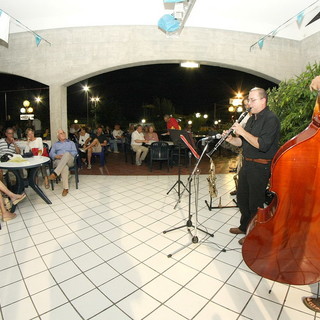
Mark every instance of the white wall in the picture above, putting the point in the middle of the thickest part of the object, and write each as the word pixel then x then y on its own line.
pixel 79 53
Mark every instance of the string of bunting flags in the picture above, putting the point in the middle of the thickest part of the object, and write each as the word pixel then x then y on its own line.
pixel 298 18
pixel 5 20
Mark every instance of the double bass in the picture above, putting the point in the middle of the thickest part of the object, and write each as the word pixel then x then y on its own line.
pixel 283 240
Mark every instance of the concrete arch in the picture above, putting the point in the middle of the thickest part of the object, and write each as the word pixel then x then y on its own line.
pixel 78 53
pixel 144 63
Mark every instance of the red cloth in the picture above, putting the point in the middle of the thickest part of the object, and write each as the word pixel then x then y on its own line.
pixel 173 124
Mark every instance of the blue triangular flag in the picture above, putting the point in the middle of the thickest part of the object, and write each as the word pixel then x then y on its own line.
pixel 300 18
pixel 38 40
pixel 260 43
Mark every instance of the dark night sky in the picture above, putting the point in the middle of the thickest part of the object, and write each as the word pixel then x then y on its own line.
pixel 190 90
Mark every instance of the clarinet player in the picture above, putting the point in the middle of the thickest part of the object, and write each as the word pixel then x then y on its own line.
pixel 259 140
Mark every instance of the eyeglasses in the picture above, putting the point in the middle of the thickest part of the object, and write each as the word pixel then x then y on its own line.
pixel 9 132
pixel 253 100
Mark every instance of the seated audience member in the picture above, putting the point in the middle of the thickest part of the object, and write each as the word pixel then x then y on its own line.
pixel 151 136
pixel 74 132
pixel 62 153
pixel 130 129
pixel 116 137
pixel 171 122
pixel 35 145
pixel 137 138
pixel 99 140
pixel 15 198
pixel 84 140
pixel 7 144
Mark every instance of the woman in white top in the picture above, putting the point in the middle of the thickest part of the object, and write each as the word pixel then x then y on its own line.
pixel 84 140
pixel 34 143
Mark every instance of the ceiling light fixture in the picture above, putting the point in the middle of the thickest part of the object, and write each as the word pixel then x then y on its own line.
pixel 190 64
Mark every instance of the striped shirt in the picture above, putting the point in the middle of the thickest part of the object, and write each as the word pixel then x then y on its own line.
pixel 6 148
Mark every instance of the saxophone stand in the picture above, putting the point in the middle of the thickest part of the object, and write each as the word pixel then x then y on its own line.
pixel 189 224
pixel 220 206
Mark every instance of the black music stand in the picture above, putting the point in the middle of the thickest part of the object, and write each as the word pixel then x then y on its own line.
pixel 175 137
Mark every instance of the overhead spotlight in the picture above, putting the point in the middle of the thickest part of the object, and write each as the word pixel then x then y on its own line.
pixel 189 64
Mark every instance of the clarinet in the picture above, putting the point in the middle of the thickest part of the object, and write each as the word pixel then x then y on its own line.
pixel 242 116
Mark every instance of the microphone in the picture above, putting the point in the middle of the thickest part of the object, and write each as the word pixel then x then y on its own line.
pixel 215 136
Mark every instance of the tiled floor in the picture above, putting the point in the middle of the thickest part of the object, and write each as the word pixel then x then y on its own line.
pixel 100 253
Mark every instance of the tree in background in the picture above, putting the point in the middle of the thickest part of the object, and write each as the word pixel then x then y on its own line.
pixel 293 102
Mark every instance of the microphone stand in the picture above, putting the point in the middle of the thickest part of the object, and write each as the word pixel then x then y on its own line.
pixel 194 237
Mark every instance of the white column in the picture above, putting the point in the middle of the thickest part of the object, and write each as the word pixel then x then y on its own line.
pixel 58 110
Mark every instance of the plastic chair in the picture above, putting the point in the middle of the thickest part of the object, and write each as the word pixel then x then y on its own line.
pixel 128 149
pixel 159 151
pixel 101 155
pixel 74 168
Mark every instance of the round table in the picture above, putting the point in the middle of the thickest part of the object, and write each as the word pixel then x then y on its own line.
pixel 32 165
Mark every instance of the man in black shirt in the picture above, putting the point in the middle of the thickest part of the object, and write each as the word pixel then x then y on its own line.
pixel 99 140
pixel 259 140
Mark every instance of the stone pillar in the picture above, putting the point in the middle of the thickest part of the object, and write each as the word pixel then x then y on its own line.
pixel 58 110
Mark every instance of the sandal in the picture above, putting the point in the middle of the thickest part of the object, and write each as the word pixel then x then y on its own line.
pixel 14 202
pixel 312 303
pixel 12 216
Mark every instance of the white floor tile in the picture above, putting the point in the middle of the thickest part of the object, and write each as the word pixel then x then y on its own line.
pixel 49 299
pixel 91 303
pixel 164 312
pixel 65 311
pixel 39 282
pixel 258 308
pixel 118 288
pixel 8 261
pixel 55 258
pixel 87 261
pixel 140 274
pixel 161 288
pixel 236 298
pixel 204 285
pixel 76 286
pixel 12 293
pixel 123 262
pixel 186 303
pixel 21 310
pixel 112 313
pixel 101 274
pixel 65 271
pixel 32 267
pixel 181 273
pixel 138 305
pixel 214 311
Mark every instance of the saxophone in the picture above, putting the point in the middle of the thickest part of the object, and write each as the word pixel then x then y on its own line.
pixel 212 180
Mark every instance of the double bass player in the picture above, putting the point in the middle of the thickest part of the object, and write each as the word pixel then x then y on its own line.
pixel 259 140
